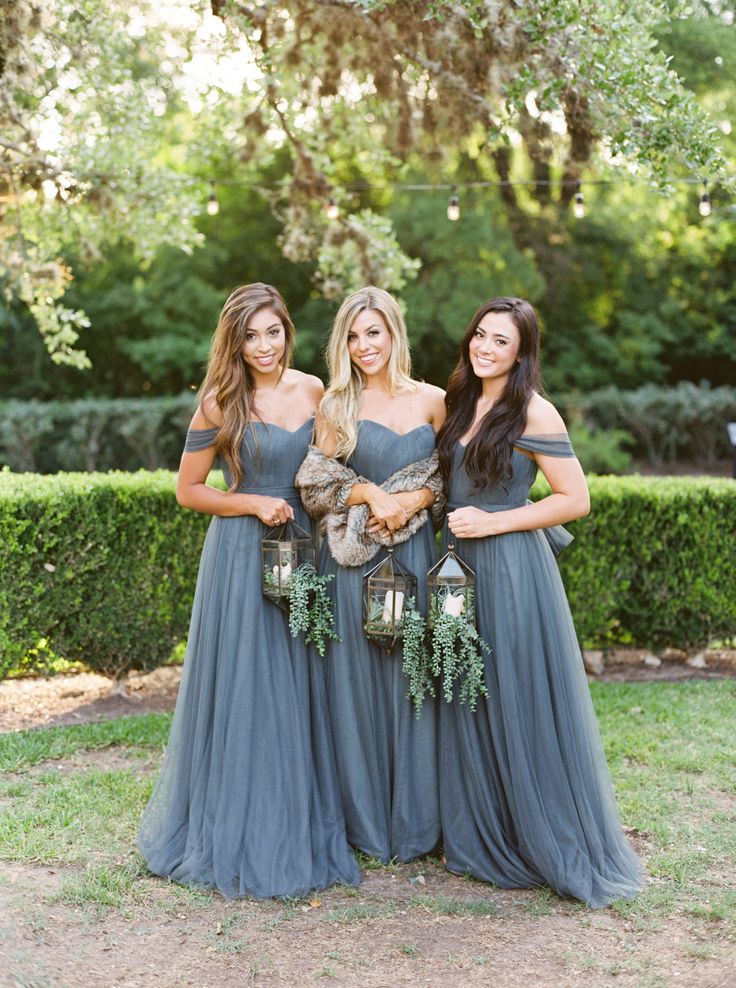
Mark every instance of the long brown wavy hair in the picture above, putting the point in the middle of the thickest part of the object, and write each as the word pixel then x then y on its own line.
pixel 487 456
pixel 229 379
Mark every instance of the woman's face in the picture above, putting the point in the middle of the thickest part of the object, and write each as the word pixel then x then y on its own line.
pixel 494 346
pixel 265 341
pixel 369 342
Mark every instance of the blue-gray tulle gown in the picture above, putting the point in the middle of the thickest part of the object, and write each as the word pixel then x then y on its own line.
pixel 386 756
pixel 526 793
pixel 247 799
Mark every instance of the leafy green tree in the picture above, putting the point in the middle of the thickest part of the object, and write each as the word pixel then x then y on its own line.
pixel 382 83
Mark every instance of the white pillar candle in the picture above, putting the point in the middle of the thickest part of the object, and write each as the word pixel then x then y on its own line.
pixel 282 574
pixel 454 604
pixel 393 605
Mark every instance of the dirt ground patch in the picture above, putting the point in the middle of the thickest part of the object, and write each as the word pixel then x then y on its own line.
pixel 409 924
pixel 414 925
pixel 84 697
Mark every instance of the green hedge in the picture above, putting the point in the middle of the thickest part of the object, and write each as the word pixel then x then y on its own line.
pixel 103 567
pixel 664 424
pixel 654 564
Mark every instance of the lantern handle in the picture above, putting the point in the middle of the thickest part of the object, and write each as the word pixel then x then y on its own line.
pixel 450 546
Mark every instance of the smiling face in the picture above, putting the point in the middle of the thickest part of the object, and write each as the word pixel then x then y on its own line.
pixel 265 341
pixel 369 342
pixel 494 346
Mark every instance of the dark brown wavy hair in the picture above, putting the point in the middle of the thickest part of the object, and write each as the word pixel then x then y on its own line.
pixel 229 379
pixel 487 456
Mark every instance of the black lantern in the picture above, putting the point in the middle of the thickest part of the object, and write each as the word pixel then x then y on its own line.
pixel 284 549
pixel 387 591
pixel 450 589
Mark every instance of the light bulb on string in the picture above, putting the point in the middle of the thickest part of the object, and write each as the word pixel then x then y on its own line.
pixel 332 209
pixel 578 206
pixel 705 207
pixel 453 207
pixel 213 206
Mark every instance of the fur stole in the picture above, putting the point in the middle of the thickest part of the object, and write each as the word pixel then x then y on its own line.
pixel 325 485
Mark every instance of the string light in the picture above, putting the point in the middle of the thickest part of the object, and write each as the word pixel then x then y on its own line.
pixel 578 206
pixel 704 207
pixel 453 206
pixel 332 210
pixel 213 206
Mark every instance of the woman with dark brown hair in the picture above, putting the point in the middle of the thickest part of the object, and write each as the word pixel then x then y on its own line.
pixel 247 799
pixel 525 793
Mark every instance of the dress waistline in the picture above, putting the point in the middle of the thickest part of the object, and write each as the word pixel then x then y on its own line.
pixel 507 506
pixel 287 493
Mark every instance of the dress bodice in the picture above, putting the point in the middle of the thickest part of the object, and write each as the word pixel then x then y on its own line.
pixel 271 456
pixel 515 493
pixel 381 451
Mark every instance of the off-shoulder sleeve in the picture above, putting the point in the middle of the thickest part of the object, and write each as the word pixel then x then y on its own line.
pixel 553 445
pixel 199 439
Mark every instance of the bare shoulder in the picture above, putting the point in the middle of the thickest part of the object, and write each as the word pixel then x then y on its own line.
pixel 542 418
pixel 433 399
pixel 306 383
pixel 208 414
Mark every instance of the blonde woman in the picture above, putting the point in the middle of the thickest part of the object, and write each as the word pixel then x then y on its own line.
pixel 247 800
pixel 371 480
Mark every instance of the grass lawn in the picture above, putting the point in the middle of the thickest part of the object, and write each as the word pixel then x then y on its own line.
pixel 78 907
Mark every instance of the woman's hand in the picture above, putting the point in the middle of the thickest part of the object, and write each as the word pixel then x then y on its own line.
pixel 387 512
pixel 472 523
pixel 272 510
pixel 411 501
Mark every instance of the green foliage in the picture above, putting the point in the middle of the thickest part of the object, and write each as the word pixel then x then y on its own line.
pixel 457 653
pixel 652 565
pixel 94 433
pixel 658 424
pixel 416 665
pixel 310 607
pixel 601 450
pixel 686 421
pixel 100 568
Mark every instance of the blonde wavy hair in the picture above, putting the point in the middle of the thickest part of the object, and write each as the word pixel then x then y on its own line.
pixel 338 411
pixel 229 380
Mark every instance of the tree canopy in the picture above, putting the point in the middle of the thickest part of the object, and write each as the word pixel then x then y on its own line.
pixel 110 140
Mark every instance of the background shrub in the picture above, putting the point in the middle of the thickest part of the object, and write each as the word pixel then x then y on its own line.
pixel 653 563
pixel 656 424
pixel 683 422
pixel 100 567
pixel 94 434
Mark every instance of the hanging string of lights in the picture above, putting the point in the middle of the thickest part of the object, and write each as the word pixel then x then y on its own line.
pixel 332 209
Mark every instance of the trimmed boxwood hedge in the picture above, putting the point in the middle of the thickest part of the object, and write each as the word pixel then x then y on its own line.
pixel 103 566
pixel 654 564
pixel 100 566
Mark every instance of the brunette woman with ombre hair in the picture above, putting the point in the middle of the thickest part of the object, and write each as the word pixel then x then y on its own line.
pixel 247 800
pixel 525 793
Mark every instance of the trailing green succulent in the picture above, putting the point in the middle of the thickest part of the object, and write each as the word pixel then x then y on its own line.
pixel 309 604
pixel 416 665
pixel 456 654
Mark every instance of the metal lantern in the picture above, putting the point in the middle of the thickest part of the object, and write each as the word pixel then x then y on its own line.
pixel 450 589
pixel 284 549
pixel 387 590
